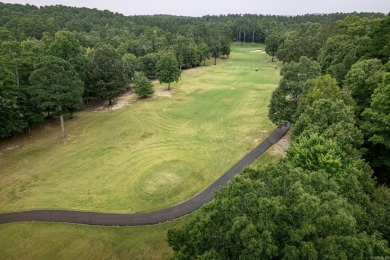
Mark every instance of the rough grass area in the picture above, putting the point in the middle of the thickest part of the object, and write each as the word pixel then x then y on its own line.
pixel 37 240
pixel 146 156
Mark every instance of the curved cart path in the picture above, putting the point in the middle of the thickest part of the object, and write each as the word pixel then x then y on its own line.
pixel 148 218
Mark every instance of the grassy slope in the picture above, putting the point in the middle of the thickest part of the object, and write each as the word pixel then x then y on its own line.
pixel 153 153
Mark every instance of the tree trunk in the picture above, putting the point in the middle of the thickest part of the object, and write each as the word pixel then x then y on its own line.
pixel 110 102
pixel 273 55
pixel 169 85
pixel 215 60
pixel 244 36
pixel 63 132
pixel 204 62
pixel 253 36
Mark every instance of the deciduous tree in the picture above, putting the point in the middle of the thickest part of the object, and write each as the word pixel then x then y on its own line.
pixel 57 86
pixel 168 69
pixel 142 86
pixel 285 98
pixel 272 44
pixel 362 79
pixel 332 119
pixel 106 72
pixel 276 212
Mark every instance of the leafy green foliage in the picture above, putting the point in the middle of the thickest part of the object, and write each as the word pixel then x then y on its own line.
pixel 362 79
pixel 225 47
pixel 11 117
pixel 380 44
pixel 106 72
pixel 332 119
pixel 203 51
pixel 142 86
pixel 130 62
pixel 187 53
pixel 307 42
pixel 57 85
pixel 272 44
pixel 215 49
pixel 322 87
pixel 278 211
pixel 19 57
pixel 377 117
pixel 381 209
pixel 339 53
pixel 284 100
pixel 66 46
pixel 375 127
pixel 316 152
pixel 148 65
pixel 168 68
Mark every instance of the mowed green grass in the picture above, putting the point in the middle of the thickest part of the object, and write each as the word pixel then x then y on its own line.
pixel 147 156
pixel 151 154
pixel 39 240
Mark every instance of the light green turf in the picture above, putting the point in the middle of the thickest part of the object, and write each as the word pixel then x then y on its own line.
pixel 150 155
pixel 37 240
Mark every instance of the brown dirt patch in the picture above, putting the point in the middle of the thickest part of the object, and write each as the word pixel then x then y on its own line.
pixel 257 51
pixel 162 91
pixel 280 147
pixel 129 97
pixel 119 102
pixel 10 148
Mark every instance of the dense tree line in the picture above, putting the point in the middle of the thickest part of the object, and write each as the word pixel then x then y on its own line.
pixel 355 52
pixel 322 200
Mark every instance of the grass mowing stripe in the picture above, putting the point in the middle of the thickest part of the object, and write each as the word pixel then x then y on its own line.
pixel 122 138
pixel 214 123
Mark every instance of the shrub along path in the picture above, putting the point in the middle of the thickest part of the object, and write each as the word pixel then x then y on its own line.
pixel 148 218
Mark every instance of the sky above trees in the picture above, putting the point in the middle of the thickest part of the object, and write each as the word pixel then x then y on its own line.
pixel 215 7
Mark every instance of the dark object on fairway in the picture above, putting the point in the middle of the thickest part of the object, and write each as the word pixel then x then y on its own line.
pixel 257 69
pixel 148 218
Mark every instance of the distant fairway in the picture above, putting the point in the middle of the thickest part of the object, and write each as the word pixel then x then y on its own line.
pixel 149 155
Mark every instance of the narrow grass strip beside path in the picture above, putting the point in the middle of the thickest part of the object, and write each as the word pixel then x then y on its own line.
pixel 148 218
